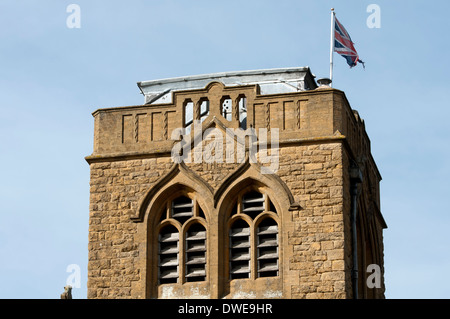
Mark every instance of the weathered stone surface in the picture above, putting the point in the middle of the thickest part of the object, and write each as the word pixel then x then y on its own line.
pixel 132 155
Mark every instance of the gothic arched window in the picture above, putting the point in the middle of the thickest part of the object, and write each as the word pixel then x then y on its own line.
pixel 253 237
pixel 182 242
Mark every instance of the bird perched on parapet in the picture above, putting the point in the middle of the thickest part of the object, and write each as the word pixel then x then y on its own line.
pixel 67 294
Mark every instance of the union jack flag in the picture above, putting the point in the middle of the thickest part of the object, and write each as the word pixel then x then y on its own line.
pixel 344 46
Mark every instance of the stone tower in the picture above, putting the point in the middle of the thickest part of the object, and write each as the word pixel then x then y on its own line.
pixel 254 184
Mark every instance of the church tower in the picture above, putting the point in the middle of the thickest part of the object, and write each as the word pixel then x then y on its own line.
pixel 251 184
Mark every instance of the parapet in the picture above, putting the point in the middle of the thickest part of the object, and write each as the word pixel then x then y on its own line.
pixel 286 99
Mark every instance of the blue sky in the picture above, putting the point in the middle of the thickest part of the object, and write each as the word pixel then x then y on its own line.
pixel 53 77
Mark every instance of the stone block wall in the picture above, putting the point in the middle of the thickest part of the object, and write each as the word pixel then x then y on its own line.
pixel 131 169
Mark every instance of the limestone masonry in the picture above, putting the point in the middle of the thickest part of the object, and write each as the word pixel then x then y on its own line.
pixel 223 228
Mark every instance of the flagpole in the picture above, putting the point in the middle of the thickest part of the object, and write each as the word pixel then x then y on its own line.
pixel 332 44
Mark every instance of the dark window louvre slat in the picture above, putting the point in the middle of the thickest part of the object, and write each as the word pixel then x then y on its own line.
pixel 269 256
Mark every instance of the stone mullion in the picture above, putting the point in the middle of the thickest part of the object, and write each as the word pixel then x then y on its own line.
pixel 266 203
pixel 195 207
pixel 181 256
pixel 239 204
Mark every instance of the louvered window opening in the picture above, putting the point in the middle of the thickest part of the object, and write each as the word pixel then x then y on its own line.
pixel 196 253
pixel 168 255
pixel 267 248
pixel 253 204
pixel 194 246
pixel 182 209
pixel 240 250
